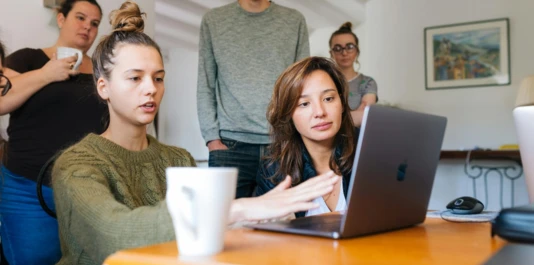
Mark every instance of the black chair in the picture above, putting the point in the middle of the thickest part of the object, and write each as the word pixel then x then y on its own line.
pixel 45 171
pixel 3 261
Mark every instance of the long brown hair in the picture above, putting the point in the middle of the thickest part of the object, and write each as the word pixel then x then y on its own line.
pixel 286 143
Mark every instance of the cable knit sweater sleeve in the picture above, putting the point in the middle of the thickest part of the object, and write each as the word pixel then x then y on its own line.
pixel 107 225
pixel 91 196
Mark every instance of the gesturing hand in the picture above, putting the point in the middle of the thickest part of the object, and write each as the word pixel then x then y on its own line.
pixel 284 200
pixel 57 70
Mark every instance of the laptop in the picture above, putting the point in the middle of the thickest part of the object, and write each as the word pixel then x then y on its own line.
pixel 394 168
pixel 524 127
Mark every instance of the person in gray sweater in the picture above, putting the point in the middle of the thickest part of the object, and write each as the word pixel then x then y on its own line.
pixel 244 47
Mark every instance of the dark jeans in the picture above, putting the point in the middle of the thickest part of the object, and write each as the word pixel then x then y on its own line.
pixel 29 234
pixel 246 157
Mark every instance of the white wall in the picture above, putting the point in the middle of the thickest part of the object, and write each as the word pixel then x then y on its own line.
pixel 477 116
pixel 178 119
pixel 393 53
pixel 27 23
pixel 319 41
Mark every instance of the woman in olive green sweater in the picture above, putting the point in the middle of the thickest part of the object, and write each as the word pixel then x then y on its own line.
pixel 109 189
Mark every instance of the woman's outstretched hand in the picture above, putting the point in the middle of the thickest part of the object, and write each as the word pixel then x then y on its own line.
pixel 283 199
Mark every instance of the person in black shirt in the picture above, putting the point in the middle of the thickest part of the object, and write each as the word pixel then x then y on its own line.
pixel 51 106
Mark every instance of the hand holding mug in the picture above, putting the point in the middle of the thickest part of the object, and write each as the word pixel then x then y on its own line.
pixel 65 52
pixel 64 63
pixel 59 69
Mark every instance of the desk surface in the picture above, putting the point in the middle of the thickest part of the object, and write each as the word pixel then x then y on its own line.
pixel 434 242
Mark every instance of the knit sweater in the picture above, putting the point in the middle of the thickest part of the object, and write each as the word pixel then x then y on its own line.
pixel 241 54
pixel 108 198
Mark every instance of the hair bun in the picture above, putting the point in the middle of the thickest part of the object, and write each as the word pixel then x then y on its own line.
pixel 127 18
pixel 346 26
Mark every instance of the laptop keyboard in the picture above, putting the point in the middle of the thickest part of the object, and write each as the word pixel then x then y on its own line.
pixel 330 223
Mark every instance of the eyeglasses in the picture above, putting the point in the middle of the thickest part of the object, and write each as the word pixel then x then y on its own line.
pixel 5 84
pixel 350 48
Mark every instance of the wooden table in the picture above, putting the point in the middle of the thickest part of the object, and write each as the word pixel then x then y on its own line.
pixel 434 242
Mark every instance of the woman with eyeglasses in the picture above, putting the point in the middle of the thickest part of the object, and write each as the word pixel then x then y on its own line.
pixel 345 50
pixel 51 106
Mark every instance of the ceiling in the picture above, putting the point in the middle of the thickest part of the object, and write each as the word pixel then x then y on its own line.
pixel 178 21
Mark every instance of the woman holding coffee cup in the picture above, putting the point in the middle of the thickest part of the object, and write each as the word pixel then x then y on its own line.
pixel 110 189
pixel 311 130
pixel 52 105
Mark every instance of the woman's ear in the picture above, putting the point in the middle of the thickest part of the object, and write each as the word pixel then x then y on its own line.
pixel 60 19
pixel 101 88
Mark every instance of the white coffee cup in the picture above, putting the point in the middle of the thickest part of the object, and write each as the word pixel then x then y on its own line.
pixel 64 52
pixel 199 202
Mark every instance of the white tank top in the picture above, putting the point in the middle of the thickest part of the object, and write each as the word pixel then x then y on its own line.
pixel 323 208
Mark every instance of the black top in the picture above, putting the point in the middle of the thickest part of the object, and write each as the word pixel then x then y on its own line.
pixel 57 116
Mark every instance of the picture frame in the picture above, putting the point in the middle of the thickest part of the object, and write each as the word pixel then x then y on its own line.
pixel 471 54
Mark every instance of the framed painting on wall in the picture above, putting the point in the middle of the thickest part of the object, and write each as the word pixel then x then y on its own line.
pixel 467 54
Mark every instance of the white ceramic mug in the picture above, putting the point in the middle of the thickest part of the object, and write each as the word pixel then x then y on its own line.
pixel 199 202
pixel 64 52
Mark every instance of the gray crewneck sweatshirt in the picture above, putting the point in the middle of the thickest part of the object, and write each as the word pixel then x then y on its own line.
pixel 241 55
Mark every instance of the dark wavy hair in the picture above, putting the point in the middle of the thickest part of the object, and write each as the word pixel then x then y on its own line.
pixel 286 142
pixel 67 5
pixel 346 28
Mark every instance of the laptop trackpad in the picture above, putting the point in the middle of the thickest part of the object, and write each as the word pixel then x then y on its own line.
pixel 328 223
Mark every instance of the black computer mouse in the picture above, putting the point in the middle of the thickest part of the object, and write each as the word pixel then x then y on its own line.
pixel 465 205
